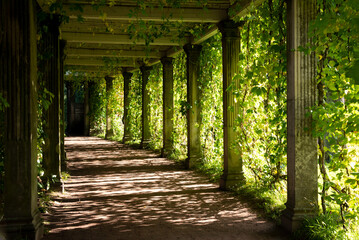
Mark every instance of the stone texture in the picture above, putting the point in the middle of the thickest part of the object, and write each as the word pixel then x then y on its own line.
pixel 50 70
pixel 18 85
pixel 126 102
pixel 302 147
pixel 62 105
pixel 193 100
pixel 145 70
pixel 86 109
pixel 167 64
pixel 233 165
pixel 109 89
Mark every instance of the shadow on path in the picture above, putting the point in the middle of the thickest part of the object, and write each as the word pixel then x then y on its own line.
pixel 116 192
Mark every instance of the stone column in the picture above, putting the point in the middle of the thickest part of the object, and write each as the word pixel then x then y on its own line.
pixel 92 86
pixel 167 64
pixel 18 85
pixel 193 100
pixel 233 169
pixel 86 109
pixel 126 102
pixel 62 104
pixel 302 146
pixel 109 90
pixel 70 107
pixel 145 70
pixel 51 74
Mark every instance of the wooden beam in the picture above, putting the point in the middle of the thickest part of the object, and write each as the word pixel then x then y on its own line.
pixel 125 13
pixel 210 33
pixel 98 62
pixel 83 52
pixel 115 39
pixel 243 7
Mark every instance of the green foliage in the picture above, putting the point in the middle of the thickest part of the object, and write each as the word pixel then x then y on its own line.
pixel 155 89
pixel 179 134
pixel 97 111
pixel 135 106
pixel 262 96
pixel 336 117
pixel 326 227
pixel 211 94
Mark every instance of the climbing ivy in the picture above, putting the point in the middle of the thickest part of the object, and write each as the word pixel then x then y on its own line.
pixel 155 89
pixel 336 116
pixel 135 106
pixel 262 94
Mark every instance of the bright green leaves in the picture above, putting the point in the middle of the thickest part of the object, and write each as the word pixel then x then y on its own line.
pixel 262 96
pixel 336 36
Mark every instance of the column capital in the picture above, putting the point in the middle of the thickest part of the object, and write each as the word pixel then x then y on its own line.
pixel 166 60
pixel 109 78
pixel 193 52
pixel 127 75
pixel 230 28
pixel 145 69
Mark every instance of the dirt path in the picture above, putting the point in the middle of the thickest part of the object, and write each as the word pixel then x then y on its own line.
pixel 116 192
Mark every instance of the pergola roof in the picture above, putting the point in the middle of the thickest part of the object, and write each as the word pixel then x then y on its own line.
pixel 122 34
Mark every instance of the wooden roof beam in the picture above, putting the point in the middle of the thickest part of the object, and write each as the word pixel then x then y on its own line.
pixel 71 37
pixel 243 7
pixel 98 62
pixel 126 13
pixel 83 52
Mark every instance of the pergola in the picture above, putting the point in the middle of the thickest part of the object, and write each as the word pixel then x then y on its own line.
pixel 132 37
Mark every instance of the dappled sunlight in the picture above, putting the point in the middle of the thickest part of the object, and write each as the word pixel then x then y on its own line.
pixel 116 192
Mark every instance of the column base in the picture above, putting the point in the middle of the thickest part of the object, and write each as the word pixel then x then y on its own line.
pixel 231 181
pixel 192 161
pixel 292 219
pixel 145 144
pixel 126 139
pixel 109 134
pixel 165 152
pixel 18 229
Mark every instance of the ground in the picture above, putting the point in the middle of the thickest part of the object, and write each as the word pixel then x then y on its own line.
pixel 118 192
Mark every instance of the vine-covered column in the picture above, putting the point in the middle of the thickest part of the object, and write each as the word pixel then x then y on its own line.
pixel 145 71
pixel 126 104
pixel 109 89
pixel 62 104
pixel 233 165
pixel 302 146
pixel 18 86
pixel 86 109
pixel 193 111
pixel 70 118
pixel 167 63
pixel 51 77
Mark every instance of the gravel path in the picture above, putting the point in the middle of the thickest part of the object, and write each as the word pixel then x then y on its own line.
pixel 117 192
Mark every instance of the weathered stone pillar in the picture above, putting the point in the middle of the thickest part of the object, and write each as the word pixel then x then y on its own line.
pixel 51 74
pixel 70 107
pixel 145 71
pixel 18 85
pixel 167 64
pixel 193 100
pixel 92 86
pixel 109 90
pixel 86 109
pixel 233 169
pixel 62 104
pixel 302 146
pixel 126 102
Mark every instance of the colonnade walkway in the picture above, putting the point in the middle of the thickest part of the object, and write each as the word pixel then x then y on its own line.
pixel 118 192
